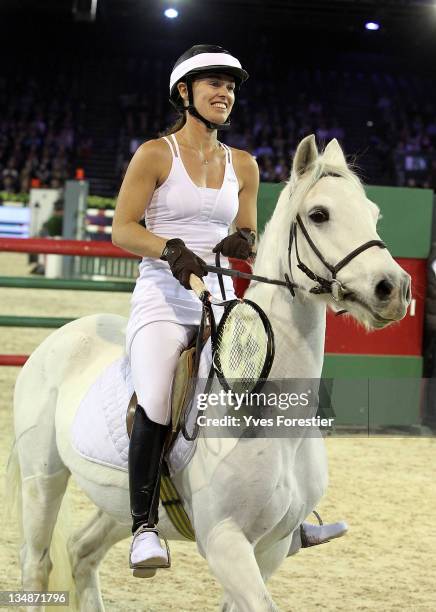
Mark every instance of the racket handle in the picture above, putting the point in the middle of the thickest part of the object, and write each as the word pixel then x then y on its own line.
pixel 198 286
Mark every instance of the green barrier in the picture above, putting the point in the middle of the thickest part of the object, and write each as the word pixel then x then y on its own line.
pixel 75 284
pixel 406 220
pixel 50 322
pixel 374 390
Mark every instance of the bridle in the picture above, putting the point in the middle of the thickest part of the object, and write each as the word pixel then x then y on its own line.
pixel 324 285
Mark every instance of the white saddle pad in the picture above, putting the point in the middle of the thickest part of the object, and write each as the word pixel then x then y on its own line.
pixel 99 430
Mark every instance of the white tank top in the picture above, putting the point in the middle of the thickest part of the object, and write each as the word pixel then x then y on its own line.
pixel 201 217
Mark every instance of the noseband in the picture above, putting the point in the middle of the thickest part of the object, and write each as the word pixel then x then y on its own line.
pixel 324 285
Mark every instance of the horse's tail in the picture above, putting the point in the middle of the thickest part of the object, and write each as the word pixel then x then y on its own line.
pixel 61 578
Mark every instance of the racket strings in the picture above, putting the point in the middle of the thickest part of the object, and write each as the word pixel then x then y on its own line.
pixel 242 345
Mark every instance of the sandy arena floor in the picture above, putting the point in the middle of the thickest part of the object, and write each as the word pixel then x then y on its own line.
pixel 384 488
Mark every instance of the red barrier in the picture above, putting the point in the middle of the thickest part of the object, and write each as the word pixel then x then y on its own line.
pixel 13 360
pixel 95 248
pixel 343 336
pixel 87 248
pixel 240 284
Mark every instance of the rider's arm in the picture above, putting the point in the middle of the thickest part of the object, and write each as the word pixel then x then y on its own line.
pixel 147 169
pixel 248 176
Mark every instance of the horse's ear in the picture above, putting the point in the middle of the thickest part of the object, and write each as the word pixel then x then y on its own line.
pixel 305 155
pixel 334 155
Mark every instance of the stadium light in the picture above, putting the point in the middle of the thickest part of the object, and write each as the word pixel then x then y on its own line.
pixel 171 13
pixel 372 25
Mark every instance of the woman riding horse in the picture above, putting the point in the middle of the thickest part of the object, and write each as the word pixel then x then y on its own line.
pixel 190 188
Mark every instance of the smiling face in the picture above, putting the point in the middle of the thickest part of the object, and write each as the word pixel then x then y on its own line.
pixel 214 96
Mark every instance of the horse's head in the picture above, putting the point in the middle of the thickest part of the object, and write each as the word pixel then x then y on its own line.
pixel 336 253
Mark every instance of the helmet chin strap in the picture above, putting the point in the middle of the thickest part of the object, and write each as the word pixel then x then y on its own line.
pixel 194 112
pixel 209 124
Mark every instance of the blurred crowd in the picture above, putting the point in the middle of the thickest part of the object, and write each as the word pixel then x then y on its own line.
pixel 405 136
pixel 270 117
pixel 39 131
pixel 387 120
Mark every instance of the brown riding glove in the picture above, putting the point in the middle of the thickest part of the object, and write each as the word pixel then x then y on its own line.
pixel 182 261
pixel 237 245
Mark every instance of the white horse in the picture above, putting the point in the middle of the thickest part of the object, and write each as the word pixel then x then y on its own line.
pixel 245 509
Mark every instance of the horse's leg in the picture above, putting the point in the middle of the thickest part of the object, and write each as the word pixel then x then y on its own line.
pixel 231 559
pixel 42 497
pixel 227 604
pixel 86 549
pixel 270 559
pixel 295 543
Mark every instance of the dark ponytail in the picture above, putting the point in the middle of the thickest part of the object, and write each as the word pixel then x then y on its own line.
pixel 177 125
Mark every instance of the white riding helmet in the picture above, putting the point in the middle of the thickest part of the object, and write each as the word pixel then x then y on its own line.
pixel 202 59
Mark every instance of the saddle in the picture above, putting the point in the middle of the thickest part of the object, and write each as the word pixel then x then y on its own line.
pixel 189 360
pixel 183 386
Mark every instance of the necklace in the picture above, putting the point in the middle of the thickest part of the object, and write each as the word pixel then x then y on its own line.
pixel 206 161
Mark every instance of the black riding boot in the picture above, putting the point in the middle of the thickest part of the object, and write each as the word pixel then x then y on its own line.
pixel 145 459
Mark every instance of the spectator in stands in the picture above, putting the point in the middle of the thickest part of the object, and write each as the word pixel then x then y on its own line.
pixel 66 136
pixel 281 171
pixel 39 124
pixel 84 149
pixel 10 177
pixel 26 176
pixel 263 150
pixel 56 183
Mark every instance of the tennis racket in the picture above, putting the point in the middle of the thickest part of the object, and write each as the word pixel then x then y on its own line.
pixel 242 343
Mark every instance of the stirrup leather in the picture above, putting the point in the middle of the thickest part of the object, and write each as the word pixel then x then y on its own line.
pixel 145 565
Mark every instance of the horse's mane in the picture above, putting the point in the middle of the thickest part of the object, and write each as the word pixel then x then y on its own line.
pixel 277 229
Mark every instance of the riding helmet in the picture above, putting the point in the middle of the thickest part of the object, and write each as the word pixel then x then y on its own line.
pixel 198 60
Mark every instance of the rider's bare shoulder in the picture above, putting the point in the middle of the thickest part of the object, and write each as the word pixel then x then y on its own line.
pixel 154 156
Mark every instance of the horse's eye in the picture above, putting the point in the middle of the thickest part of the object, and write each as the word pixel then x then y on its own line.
pixel 319 215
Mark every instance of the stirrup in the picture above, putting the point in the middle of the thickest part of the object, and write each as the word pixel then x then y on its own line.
pixel 144 569
pixel 304 541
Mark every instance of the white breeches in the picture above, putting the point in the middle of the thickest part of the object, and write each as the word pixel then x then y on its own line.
pixel 154 352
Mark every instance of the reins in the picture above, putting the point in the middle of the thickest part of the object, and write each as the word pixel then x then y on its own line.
pixel 237 273
pixel 324 285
